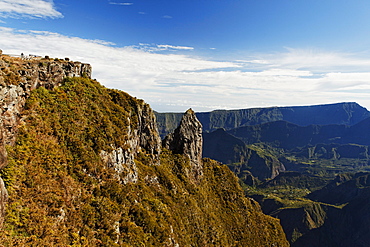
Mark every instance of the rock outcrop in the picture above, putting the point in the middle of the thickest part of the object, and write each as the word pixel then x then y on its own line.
pixel 142 137
pixel 299 221
pixel 241 158
pixel 263 164
pixel 187 139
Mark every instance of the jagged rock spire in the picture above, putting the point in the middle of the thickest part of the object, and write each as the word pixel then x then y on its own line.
pixel 187 140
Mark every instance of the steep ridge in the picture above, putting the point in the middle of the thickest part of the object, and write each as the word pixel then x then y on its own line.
pixel 347 113
pixel 86 169
pixel 342 189
pixel 325 150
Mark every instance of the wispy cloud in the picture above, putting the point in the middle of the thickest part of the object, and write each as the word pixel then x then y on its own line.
pixel 28 9
pixel 157 48
pixel 167 17
pixel 174 47
pixel 124 4
pixel 171 82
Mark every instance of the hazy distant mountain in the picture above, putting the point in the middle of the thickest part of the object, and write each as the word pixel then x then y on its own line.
pixel 348 113
pixel 288 136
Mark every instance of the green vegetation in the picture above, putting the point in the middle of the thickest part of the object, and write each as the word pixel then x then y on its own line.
pixel 62 194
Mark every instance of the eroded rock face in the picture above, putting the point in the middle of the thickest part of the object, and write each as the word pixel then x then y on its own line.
pixel 122 162
pixel 147 132
pixel 187 139
pixel 142 137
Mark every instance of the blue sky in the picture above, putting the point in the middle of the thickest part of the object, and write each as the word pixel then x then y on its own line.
pixel 219 54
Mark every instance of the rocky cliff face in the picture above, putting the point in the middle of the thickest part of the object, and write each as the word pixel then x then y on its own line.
pixel 3 200
pixel 142 136
pixel 19 76
pixel 187 139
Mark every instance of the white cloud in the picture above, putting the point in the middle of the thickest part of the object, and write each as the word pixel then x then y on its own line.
pixel 171 82
pixel 174 47
pixel 28 9
pixel 317 60
pixel 125 4
pixel 157 48
pixel 167 17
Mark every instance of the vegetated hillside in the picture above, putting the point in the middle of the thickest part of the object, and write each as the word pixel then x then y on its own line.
pixel 257 159
pixel 349 225
pixel 86 169
pixel 348 113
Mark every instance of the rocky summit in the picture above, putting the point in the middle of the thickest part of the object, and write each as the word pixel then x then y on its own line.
pixel 187 140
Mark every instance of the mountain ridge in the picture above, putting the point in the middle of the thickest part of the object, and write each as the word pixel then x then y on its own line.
pixel 345 113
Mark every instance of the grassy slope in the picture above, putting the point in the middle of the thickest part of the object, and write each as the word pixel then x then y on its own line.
pixel 61 193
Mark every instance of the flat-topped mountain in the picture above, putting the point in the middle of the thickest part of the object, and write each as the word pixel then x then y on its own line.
pixel 288 136
pixel 347 113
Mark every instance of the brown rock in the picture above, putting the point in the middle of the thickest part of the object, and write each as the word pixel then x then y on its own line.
pixel 187 140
